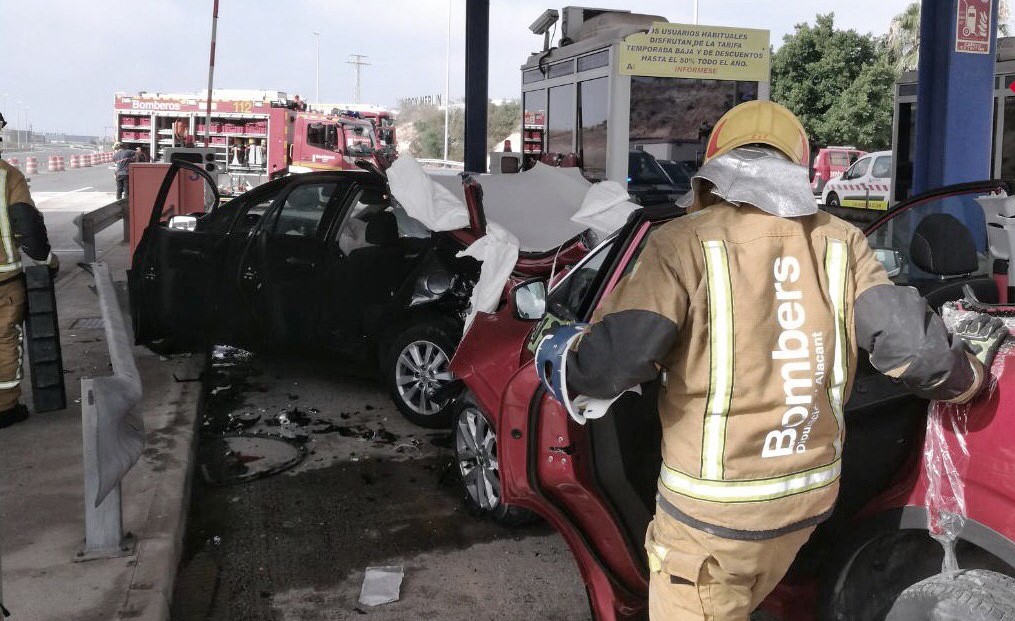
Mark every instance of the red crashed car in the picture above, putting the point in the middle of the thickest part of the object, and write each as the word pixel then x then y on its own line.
pixel 518 451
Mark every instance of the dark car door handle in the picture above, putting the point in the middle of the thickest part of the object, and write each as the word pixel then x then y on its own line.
pixel 249 274
pixel 298 262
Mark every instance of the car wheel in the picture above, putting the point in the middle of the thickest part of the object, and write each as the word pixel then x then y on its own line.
pixel 475 444
pixel 832 200
pixel 416 368
pixel 965 595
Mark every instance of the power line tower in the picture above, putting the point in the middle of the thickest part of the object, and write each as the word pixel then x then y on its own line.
pixel 358 60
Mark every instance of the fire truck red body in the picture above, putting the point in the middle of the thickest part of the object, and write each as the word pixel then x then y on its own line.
pixel 256 135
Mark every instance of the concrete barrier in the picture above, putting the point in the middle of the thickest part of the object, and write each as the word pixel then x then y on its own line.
pixel 112 431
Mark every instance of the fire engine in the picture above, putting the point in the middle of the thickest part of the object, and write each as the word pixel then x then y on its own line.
pixel 254 135
pixel 382 119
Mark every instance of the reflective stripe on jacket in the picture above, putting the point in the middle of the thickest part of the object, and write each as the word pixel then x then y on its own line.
pixel 752 318
pixel 13 189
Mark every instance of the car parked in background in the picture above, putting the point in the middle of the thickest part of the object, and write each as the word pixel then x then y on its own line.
pixel 647 182
pixel 865 185
pixel 679 174
pixel 323 261
pixel 831 162
pixel 518 450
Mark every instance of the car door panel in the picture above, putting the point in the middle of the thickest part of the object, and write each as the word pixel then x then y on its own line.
pixel 279 272
pixel 173 278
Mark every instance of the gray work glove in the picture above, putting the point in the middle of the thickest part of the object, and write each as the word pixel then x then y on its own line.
pixel 982 335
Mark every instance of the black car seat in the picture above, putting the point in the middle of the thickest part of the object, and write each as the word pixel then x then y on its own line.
pixel 944 248
pixel 379 265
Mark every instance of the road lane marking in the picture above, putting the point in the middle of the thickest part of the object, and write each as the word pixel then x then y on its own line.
pixel 61 194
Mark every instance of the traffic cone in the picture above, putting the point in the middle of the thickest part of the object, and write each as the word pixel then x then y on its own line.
pixel 52 165
pixel 31 166
pixel 75 162
pixel 59 163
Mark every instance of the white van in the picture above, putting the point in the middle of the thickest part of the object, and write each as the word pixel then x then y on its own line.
pixel 866 184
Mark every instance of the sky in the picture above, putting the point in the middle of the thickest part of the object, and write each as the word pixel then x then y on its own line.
pixel 64 59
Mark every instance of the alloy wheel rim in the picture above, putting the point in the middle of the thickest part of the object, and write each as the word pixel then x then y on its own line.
pixel 476 443
pixel 420 371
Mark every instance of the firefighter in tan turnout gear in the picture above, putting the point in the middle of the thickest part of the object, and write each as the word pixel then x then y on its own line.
pixel 21 226
pixel 752 307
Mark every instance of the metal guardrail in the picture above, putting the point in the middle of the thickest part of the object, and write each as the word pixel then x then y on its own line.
pixel 89 224
pixel 112 431
pixel 448 164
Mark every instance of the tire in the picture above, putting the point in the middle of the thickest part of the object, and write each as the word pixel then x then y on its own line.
pixel 832 200
pixel 417 366
pixel 965 595
pixel 474 440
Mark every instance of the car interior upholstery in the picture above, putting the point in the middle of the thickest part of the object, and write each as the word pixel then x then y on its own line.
pixel 944 248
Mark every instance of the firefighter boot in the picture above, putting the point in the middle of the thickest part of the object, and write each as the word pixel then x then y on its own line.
pixel 13 415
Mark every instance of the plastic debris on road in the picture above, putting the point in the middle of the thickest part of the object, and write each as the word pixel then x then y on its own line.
pixel 381 585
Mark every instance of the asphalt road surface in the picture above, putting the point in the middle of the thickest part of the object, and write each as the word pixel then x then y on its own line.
pixel 62 196
pixel 373 490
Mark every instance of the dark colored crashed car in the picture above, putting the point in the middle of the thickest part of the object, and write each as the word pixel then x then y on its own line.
pixel 322 261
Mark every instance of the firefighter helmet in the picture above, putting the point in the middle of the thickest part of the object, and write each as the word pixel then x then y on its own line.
pixel 759 122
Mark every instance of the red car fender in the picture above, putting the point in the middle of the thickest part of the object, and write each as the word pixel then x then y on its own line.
pixel 985 427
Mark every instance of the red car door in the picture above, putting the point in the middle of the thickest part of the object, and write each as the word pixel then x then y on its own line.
pixel 574 475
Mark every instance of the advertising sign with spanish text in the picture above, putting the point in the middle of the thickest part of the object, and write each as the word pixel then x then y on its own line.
pixel 697 52
pixel 972 26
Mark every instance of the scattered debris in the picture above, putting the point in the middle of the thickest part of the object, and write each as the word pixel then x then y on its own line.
pixel 381 585
pixel 231 459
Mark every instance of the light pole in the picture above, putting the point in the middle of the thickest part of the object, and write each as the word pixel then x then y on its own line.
pixel 28 126
pixel 695 12
pixel 447 85
pixel 19 104
pixel 317 90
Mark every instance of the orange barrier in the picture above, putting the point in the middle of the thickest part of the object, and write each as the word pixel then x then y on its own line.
pixel 52 165
pixel 75 161
pixel 31 166
pixel 59 163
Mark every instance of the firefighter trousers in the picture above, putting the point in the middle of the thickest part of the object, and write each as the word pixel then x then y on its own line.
pixel 12 313
pixel 698 576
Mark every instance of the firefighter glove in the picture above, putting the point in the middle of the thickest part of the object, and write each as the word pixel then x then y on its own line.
pixel 982 335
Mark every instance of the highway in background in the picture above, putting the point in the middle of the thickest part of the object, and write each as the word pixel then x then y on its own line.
pixel 62 196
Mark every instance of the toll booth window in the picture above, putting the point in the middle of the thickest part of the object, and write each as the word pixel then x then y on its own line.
pixel 1008 140
pixel 561 124
pixel 593 108
pixel 304 209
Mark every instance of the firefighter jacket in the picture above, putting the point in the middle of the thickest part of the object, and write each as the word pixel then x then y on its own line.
pixel 754 321
pixel 21 225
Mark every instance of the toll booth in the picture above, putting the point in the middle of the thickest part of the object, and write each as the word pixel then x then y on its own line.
pixel 619 82
pixel 1003 142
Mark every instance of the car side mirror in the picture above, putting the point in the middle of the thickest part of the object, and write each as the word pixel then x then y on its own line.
pixel 183 223
pixel 891 260
pixel 530 300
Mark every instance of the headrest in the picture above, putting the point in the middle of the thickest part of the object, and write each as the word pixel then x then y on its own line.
pixel 943 246
pixel 382 229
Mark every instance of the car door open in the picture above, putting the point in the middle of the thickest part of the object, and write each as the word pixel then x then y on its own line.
pixel 174 269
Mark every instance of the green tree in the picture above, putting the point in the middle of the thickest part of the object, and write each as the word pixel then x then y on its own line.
pixel 428 127
pixel 862 115
pixel 818 67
